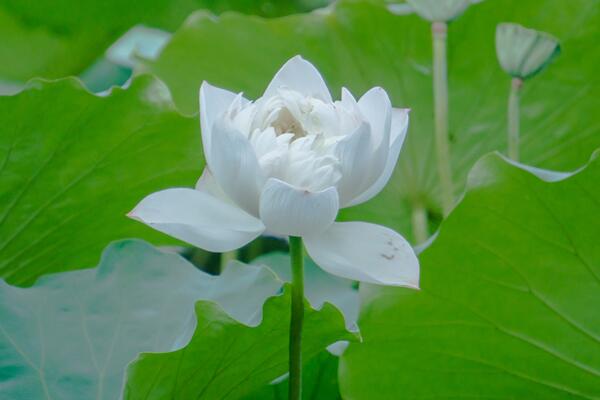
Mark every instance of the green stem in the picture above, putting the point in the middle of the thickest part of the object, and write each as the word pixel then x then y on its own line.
pixel 419 223
pixel 226 257
pixel 296 320
pixel 513 118
pixel 440 94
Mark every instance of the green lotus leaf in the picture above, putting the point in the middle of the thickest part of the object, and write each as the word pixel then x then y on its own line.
pixel 229 359
pixel 72 164
pixel 508 306
pixel 72 334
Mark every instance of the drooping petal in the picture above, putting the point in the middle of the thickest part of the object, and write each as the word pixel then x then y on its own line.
pixel 398 130
pixel 198 218
pixel 299 75
pixel 214 102
pixel 235 166
pixel 288 210
pixel 365 252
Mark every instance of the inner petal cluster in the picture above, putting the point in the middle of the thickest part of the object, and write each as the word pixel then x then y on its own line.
pixel 294 137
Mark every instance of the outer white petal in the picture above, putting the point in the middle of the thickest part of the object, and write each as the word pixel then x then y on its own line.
pixel 288 210
pixel 214 102
pixel 376 108
pixel 365 252
pixel 399 128
pixel 235 167
pixel 198 218
pixel 354 154
pixel 299 75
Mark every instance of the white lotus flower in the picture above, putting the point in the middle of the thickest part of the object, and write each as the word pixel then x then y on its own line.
pixel 286 163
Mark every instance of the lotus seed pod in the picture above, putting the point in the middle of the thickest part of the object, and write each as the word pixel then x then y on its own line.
pixel 523 52
pixel 439 10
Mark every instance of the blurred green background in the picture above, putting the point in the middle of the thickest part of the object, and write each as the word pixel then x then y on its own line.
pixel 53 39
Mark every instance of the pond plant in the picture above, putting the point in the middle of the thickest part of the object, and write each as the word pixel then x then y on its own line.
pixel 299 199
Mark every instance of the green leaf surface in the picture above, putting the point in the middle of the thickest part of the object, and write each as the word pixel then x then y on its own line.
pixel 71 335
pixel 509 299
pixel 56 38
pixel 361 44
pixel 226 359
pixel 319 381
pixel 319 286
pixel 73 164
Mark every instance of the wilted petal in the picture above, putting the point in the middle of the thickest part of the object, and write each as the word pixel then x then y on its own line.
pixel 299 75
pixel 235 167
pixel 365 252
pixel 198 218
pixel 288 210
pixel 398 133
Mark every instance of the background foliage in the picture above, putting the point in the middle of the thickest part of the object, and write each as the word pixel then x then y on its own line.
pixel 53 39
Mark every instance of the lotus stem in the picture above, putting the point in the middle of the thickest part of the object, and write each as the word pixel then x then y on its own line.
pixel 419 223
pixel 297 316
pixel 226 257
pixel 440 94
pixel 514 118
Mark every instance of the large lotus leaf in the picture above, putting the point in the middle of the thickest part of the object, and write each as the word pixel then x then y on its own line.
pixel 509 299
pixel 56 38
pixel 73 164
pixel 226 359
pixel 319 286
pixel 361 44
pixel 71 335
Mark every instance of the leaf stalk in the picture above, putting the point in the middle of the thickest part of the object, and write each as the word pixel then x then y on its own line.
pixel 440 94
pixel 419 223
pixel 514 99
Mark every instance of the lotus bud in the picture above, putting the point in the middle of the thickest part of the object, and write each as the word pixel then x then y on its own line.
pixel 523 52
pixel 439 10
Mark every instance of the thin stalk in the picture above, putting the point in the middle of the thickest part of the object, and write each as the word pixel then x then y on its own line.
pixel 440 94
pixel 226 257
pixel 514 118
pixel 419 223
pixel 296 320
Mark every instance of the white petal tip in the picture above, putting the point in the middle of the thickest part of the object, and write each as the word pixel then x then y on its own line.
pixel 403 284
pixel 299 75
